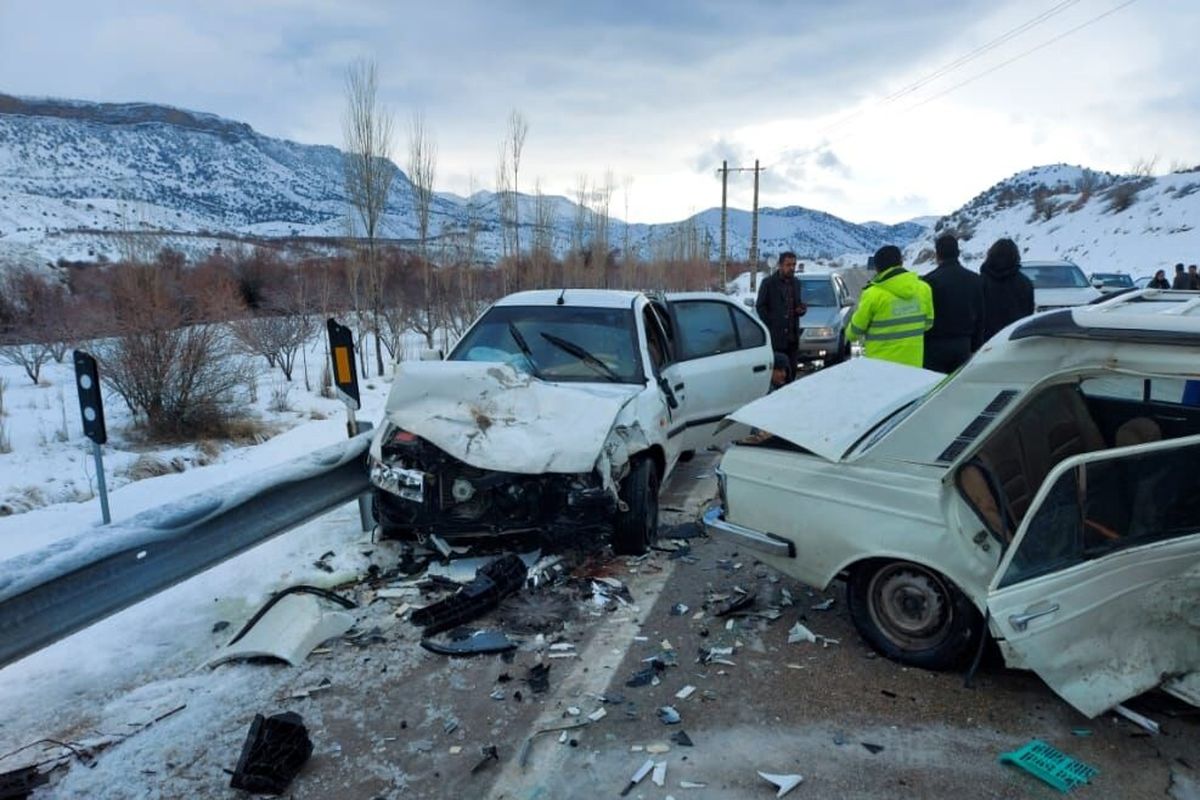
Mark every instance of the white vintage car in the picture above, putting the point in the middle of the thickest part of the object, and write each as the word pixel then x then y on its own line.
pixel 1048 492
pixel 560 413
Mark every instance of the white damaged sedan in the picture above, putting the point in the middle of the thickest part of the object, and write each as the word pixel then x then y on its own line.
pixel 1048 493
pixel 559 414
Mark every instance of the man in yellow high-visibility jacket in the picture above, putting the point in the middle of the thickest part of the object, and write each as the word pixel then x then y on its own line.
pixel 894 311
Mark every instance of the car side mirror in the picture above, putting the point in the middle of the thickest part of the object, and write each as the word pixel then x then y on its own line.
pixel 665 387
pixel 431 355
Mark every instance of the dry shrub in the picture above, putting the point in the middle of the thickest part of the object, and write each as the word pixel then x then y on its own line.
pixel 148 466
pixel 1124 195
pixel 209 450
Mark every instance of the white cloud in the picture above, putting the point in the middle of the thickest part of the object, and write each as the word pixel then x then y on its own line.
pixel 663 91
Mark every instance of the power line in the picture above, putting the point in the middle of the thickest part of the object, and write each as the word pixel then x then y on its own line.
pixel 957 63
pixel 1019 56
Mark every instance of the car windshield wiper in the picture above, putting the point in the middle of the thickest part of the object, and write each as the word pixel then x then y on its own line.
pixel 519 338
pixel 583 355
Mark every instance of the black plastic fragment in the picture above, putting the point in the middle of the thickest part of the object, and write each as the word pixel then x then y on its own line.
pixel 276 748
pixel 489 754
pixel 873 748
pixel 465 642
pixel 682 739
pixel 646 675
pixel 492 583
pixel 20 783
pixel 538 678
pixel 737 603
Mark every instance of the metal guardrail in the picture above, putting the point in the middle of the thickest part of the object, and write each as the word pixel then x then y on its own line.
pixel 49 594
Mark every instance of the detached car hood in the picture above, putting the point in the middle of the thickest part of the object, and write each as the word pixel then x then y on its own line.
pixel 491 416
pixel 827 412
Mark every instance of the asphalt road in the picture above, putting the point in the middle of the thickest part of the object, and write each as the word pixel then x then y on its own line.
pixel 395 721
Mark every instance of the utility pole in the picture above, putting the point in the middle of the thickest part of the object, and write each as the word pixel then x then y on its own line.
pixel 725 170
pixel 754 233
pixel 724 223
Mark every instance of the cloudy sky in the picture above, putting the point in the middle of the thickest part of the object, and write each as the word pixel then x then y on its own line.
pixel 869 109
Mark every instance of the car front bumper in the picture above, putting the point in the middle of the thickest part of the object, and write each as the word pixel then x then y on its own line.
pixel 716 525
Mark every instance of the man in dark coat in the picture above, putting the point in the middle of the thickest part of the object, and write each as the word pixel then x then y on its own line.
pixel 1181 280
pixel 1007 294
pixel 1193 277
pixel 779 307
pixel 957 330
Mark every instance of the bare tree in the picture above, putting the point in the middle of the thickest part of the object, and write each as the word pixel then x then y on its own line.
pixel 542 252
pixel 367 129
pixel 504 199
pixel 628 259
pixel 601 200
pixel 517 128
pixel 422 165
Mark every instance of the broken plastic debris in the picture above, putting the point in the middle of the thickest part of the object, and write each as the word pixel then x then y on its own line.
pixel 275 749
pixel 873 748
pixel 691 785
pixel 464 642
pixel 824 605
pixel 546 571
pixel 492 583
pixel 659 777
pixel 678 610
pixel 1050 765
pixel 20 783
pixel 658 748
pixel 562 646
pixel 287 627
pixel 497 695
pixel 685 692
pixel 785 783
pixel 681 738
pixel 488 753
pixel 668 715
pixel 647 675
pixel 642 772
pixel 740 602
pixel 573 711
pixel 455 749
pixel 538 678
pixel 598 714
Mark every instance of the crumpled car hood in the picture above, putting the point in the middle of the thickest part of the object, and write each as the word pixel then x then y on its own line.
pixel 494 417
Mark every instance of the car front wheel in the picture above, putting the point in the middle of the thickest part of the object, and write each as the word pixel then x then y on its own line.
pixel 636 529
pixel 913 614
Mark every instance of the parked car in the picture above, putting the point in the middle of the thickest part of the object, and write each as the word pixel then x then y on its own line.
pixel 561 413
pixel 1046 493
pixel 1058 284
pixel 1112 282
pixel 1143 281
pixel 823 332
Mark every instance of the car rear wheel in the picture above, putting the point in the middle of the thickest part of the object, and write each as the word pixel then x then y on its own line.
pixel 913 614
pixel 636 529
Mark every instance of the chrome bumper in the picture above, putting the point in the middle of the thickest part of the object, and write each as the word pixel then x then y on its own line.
pixel 768 543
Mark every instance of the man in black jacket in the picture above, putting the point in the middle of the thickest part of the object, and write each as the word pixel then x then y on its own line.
pixel 957 330
pixel 779 307
pixel 1181 280
pixel 1007 294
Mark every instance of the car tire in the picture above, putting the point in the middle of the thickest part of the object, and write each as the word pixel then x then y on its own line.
pixel 636 529
pixel 913 614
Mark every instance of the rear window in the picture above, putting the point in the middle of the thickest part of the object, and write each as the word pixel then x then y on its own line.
pixel 1055 276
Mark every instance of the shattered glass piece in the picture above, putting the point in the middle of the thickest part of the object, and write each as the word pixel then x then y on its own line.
pixel 799 633
pixel 824 605
pixel 668 715
pixel 275 749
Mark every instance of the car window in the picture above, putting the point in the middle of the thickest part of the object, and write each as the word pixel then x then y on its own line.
pixel 1055 276
pixel 748 331
pixel 656 343
pixel 818 292
pixel 706 328
pixel 1133 387
pixel 1111 504
pixel 565 343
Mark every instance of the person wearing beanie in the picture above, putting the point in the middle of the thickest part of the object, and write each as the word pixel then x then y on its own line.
pixel 957 330
pixel 1007 293
pixel 894 312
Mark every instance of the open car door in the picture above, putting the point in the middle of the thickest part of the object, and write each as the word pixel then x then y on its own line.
pixel 1099 592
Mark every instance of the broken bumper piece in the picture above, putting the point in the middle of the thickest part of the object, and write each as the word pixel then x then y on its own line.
pixel 716 525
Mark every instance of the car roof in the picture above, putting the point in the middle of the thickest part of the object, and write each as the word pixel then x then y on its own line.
pixel 585 298
pixel 1151 316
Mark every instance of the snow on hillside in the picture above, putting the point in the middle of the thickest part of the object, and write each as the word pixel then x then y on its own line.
pixel 1073 213
pixel 73 174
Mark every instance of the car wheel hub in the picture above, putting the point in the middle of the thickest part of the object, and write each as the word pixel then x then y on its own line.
pixel 909 605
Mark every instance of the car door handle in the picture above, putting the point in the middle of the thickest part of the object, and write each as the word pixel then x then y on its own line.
pixel 761 368
pixel 1020 622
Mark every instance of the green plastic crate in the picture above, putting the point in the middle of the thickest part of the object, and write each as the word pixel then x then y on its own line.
pixel 1050 765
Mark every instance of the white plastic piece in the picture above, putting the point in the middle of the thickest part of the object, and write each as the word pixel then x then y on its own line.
pixel 597 715
pixel 685 692
pixel 288 631
pixel 660 773
pixel 1145 723
pixel 785 782
pixel 799 633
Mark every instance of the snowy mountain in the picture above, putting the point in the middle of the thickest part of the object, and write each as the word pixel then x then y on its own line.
pixel 81 180
pixel 1101 221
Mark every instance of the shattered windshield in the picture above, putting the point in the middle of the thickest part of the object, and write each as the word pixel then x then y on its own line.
pixel 557 343
pixel 817 291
